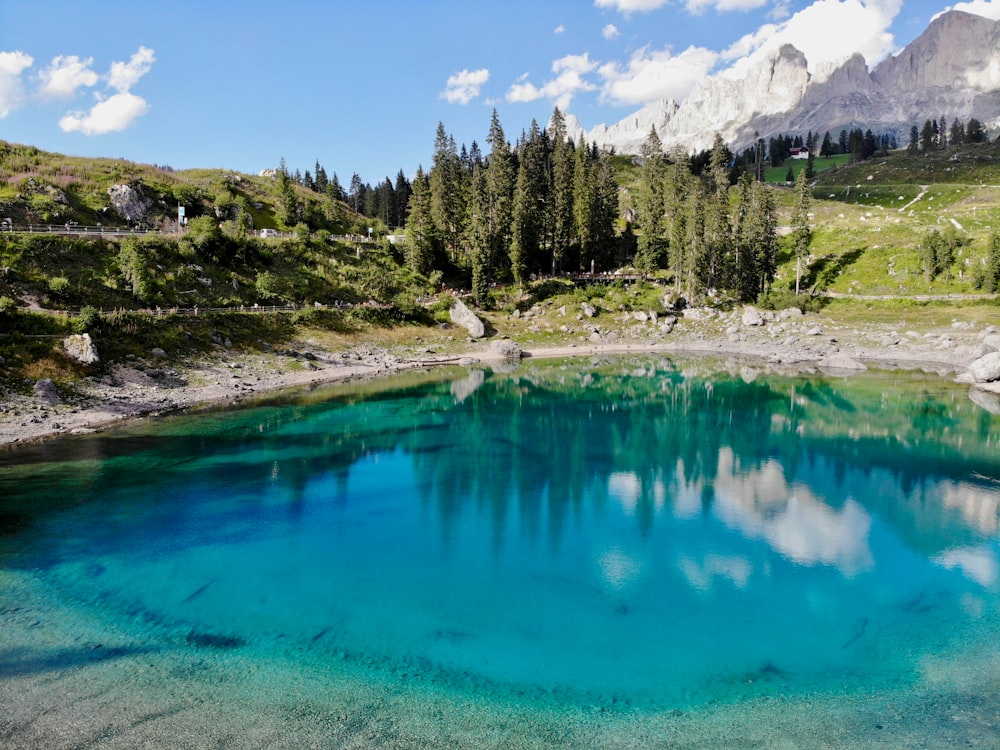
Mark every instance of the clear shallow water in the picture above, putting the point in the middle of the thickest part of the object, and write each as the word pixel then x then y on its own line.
pixel 645 534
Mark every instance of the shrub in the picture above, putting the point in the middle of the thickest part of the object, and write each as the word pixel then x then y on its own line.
pixel 8 306
pixel 58 284
pixel 87 320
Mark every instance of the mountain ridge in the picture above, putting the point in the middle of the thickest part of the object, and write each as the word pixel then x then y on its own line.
pixel 951 70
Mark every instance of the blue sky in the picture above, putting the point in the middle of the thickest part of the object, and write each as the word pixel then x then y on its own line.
pixel 361 86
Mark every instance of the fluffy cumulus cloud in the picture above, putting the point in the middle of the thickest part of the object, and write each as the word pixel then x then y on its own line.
pixel 108 116
pixel 116 112
pixel 124 75
pixel 465 85
pixel 12 93
pixel 570 72
pixel 610 32
pixel 66 75
pixel 656 74
pixel 560 29
pixel 825 30
pixel 986 8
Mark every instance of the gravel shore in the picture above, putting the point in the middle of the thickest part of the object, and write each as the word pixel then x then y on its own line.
pixel 155 385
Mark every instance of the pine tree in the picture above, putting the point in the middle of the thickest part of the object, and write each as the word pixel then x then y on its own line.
pixel 530 194
pixel 447 184
pixel 715 267
pixel 562 191
pixel 992 280
pixel 583 204
pixel 422 234
pixel 501 176
pixel 652 205
pixel 801 233
pixel 479 236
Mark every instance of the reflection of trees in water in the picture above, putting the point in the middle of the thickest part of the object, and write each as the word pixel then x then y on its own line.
pixel 551 442
pixel 533 446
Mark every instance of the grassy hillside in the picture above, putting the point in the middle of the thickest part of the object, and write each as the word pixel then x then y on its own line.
pixel 868 220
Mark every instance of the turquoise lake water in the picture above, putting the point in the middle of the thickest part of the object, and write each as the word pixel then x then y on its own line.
pixel 636 544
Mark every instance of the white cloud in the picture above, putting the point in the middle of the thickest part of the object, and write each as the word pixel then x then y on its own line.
pixel 986 8
pixel 560 29
pixel 108 116
pixel 610 31
pixel 631 6
pixel 826 30
pixel 697 7
pixel 465 85
pixel 569 81
pixel 124 76
pixel 657 74
pixel 12 64
pixel 65 75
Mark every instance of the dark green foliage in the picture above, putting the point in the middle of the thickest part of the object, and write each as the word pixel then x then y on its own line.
pixel 937 251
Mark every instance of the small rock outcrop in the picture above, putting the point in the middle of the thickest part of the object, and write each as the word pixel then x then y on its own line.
pixel 461 315
pixel 80 347
pixel 45 391
pixel 752 317
pixel 506 348
pixel 986 369
pixel 129 202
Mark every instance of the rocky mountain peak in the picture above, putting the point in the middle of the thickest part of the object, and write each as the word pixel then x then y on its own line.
pixel 952 69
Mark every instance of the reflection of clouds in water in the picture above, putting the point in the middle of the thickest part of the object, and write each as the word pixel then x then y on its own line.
pixel 760 504
pixel 976 563
pixel 702 575
pixel 980 508
pixel 619 569
pixel 626 488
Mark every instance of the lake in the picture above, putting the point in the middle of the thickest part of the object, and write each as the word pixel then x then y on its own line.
pixel 602 551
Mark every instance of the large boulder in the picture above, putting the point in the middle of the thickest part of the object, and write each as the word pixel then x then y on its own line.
pixel 986 369
pixel 991 342
pixel 81 348
pixel 461 315
pixel 129 202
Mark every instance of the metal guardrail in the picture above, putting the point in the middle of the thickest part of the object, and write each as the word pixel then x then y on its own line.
pixel 73 229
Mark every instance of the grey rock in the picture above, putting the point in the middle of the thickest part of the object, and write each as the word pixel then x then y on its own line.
pixel 991 342
pixel 506 348
pixel 461 315
pixel 80 347
pixel 157 352
pixel 986 369
pixel 588 310
pixel 129 202
pixel 752 317
pixel 45 391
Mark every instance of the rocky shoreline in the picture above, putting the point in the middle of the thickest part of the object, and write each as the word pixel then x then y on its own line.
pixel 154 385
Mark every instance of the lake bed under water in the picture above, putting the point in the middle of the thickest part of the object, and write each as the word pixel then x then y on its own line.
pixel 609 552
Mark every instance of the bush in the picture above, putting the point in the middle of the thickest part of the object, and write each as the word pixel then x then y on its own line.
pixel 88 319
pixel 8 306
pixel 58 284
